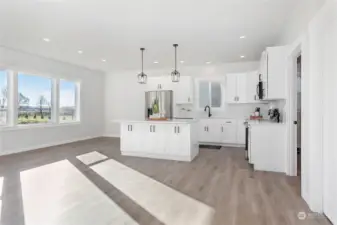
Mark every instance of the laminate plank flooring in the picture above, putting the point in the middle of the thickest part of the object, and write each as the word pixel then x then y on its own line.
pixel 221 179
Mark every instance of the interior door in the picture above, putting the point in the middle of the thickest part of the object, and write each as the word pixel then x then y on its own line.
pixel 231 85
pixel 329 117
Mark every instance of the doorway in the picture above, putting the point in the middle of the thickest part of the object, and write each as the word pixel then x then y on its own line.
pixel 298 112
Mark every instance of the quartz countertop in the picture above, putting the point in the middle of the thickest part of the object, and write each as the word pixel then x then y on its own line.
pixel 264 123
pixel 182 121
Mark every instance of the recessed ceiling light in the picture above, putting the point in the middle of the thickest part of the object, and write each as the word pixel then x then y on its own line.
pixel 242 37
pixel 182 61
pixel 242 57
pixel 103 60
pixel 80 52
pixel 46 39
pixel 208 62
pixel 155 62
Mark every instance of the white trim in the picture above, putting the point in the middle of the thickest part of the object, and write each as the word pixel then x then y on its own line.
pixel 112 135
pixel 291 154
pixel 36 147
pixel 185 158
pixel 36 126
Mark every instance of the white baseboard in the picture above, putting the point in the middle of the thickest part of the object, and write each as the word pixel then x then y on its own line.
pixel 112 135
pixel 159 156
pixel 31 148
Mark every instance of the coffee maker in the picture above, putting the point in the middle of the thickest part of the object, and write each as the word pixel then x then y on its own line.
pixel 274 115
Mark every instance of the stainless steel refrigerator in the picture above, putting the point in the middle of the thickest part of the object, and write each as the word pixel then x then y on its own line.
pixel 159 105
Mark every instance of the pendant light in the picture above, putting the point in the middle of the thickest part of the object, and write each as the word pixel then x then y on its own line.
pixel 175 75
pixel 142 77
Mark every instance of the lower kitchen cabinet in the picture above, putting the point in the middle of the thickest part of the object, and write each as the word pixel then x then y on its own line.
pixel 221 131
pixel 267 147
pixel 164 140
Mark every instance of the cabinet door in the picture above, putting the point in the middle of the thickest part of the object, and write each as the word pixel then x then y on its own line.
pixel 126 137
pixel 264 66
pixel 240 132
pixel 203 134
pixel 231 88
pixel 183 90
pixel 241 88
pixel 178 140
pixel 277 65
pixel 157 138
pixel 228 132
pixel 158 83
pixel 251 86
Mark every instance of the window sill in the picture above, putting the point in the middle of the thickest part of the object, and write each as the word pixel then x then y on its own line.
pixel 36 126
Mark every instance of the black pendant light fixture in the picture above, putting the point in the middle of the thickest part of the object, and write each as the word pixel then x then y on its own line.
pixel 142 77
pixel 175 75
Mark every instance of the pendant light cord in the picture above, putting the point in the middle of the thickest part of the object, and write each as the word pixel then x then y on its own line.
pixel 175 49
pixel 142 49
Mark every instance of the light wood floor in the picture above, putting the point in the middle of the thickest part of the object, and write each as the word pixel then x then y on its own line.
pixel 221 179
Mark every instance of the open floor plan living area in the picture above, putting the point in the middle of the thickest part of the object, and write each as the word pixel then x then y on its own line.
pixel 158 112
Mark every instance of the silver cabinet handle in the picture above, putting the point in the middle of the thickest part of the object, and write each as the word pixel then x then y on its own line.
pixel 229 122
pixel 189 99
pixel 154 128
pixel 222 129
pixel 238 98
pixel 150 128
pixel 131 127
pixel 175 129
pixel 178 130
pixel 128 127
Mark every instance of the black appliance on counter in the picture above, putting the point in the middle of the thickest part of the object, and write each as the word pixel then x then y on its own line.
pixel 274 115
pixel 259 88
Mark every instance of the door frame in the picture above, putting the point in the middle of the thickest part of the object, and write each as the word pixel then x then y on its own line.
pixel 295 52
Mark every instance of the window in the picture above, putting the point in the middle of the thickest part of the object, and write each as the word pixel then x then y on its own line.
pixel 34 99
pixel 3 97
pixel 210 93
pixel 68 103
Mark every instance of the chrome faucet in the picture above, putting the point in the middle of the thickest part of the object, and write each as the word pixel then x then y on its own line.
pixel 209 110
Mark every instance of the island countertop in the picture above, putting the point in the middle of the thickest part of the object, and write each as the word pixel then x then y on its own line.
pixel 171 121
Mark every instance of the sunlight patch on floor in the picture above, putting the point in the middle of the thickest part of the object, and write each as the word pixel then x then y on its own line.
pixel 166 204
pixel 59 194
pixel 91 157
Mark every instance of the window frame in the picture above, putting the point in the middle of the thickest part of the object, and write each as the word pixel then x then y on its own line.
pixel 210 81
pixel 16 103
pixel 77 101
pixel 8 95
pixel 12 103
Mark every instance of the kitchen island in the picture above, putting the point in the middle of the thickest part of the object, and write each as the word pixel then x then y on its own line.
pixel 171 139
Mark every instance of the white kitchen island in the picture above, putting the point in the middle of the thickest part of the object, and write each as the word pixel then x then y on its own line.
pixel 172 140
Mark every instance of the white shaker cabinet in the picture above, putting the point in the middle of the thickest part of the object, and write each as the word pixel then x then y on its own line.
pixel 267 147
pixel 160 139
pixel 159 83
pixel 209 131
pixel 273 68
pixel 252 82
pixel 183 90
pixel 236 88
pixel 228 132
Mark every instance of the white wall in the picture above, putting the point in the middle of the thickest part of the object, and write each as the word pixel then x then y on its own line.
pixel 124 97
pixel 318 105
pixel 91 125
pixel 298 19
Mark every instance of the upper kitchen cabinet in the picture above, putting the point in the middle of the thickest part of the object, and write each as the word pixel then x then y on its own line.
pixel 236 88
pixel 273 68
pixel 159 83
pixel 183 90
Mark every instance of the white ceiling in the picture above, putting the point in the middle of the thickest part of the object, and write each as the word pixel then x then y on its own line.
pixel 206 30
